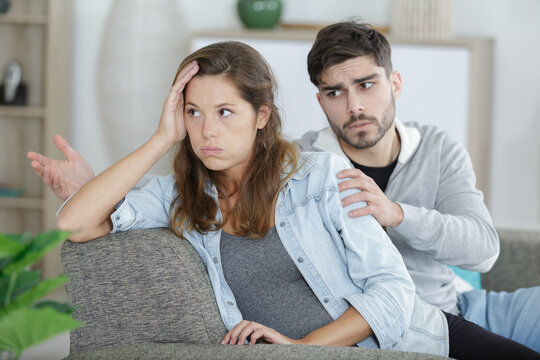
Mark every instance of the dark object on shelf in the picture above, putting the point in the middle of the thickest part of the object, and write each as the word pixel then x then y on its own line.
pixel 9 190
pixel 4 6
pixel 259 14
pixel 12 90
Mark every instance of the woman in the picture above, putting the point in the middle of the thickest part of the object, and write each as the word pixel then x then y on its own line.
pixel 267 222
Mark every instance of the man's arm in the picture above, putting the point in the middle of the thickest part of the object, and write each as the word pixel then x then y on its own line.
pixel 63 177
pixel 457 231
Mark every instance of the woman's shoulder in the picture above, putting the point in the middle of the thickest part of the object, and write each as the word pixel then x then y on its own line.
pixel 321 164
pixel 323 161
pixel 164 184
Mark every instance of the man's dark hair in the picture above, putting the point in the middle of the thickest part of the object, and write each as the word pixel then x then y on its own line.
pixel 339 42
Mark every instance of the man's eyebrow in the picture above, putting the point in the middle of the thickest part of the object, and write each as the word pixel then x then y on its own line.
pixel 339 86
pixel 332 87
pixel 373 76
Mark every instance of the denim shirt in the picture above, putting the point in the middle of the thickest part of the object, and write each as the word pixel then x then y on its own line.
pixel 345 261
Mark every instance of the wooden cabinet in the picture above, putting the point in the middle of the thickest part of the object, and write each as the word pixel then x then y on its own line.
pixel 37 33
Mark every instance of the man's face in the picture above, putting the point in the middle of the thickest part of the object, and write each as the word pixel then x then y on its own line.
pixel 359 100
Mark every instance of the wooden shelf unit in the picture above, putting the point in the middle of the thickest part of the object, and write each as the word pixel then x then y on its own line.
pixel 24 19
pixel 21 203
pixel 22 111
pixel 38 33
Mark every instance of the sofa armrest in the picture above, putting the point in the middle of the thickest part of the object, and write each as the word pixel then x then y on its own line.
pixel 139 286
pixel 518 264
pixel 259 351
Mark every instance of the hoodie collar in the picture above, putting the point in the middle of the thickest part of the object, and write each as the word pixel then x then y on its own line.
pixel 409 137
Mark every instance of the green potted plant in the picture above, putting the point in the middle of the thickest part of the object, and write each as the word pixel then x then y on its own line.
pixel 24 320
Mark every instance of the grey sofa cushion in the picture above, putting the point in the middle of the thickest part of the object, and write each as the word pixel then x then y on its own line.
pixel 269 352
pixel 139 286
pixel 518 265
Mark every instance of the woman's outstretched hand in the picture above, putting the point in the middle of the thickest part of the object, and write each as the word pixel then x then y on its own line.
pixel 171 125
pixel 255 332
pixel 63 177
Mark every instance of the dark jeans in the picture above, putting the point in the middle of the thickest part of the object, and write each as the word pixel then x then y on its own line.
pixel 470 341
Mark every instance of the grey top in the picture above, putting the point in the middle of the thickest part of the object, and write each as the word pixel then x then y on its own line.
pixel 268 287
pixel 445 219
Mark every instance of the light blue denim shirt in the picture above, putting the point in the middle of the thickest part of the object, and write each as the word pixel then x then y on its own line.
pixel 345 261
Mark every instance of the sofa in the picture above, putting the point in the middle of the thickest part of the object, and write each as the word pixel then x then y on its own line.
pixel 145 294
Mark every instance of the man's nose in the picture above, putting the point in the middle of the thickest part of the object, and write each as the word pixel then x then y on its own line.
pixel 355 104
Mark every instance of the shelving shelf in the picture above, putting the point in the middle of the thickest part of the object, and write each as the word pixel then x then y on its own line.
pixel 37 33
pixel 21 203
pixel 24 19
pixel 22 111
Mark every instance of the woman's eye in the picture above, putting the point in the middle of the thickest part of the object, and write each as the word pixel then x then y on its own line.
pixel 224 112
pixel 367 85
pixel 193 112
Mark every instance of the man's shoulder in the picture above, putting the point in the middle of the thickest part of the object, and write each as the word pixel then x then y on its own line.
pixel 431 134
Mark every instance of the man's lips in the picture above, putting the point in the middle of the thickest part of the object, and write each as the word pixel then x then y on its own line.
pixel 359 125
pixel 211 150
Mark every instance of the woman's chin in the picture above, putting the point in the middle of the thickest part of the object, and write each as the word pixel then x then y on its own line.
pixel 212 164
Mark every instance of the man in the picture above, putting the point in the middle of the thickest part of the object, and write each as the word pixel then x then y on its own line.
pixel 417 181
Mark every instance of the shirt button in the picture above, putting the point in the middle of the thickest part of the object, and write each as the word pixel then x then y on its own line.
pixel 215 260
pixel 326 300
pixel 300 259
pixel 120 226
pixel 230 303
pixel 117 217
pixel 282 224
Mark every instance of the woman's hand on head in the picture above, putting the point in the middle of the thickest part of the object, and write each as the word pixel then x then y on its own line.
pixel 255 332
pixel 171 125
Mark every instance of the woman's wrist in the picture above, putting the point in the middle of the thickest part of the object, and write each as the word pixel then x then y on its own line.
pixel 162 141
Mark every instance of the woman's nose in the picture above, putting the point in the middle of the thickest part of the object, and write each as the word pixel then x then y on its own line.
pixel 209 129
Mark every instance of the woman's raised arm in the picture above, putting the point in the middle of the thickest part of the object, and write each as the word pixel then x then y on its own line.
pixel 88 212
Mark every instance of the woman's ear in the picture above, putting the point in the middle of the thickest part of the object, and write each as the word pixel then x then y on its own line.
pixel 263 115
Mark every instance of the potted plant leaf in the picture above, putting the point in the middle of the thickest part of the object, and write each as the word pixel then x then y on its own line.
pixel 25 320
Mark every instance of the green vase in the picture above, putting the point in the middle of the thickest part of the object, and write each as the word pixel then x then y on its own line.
pixel 259 14
pixel 4 6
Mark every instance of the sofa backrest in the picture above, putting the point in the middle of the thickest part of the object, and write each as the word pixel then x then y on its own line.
pixel 518 265
pixel 137 286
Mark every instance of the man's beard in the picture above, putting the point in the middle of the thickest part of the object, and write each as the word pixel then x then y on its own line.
pixel 362 140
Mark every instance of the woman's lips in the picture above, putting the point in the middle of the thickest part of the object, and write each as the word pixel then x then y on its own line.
pixel 211 150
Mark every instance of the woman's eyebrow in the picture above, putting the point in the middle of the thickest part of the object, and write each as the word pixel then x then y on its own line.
pixel 225 104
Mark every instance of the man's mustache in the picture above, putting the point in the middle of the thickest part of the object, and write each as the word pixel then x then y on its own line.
pixel 356 118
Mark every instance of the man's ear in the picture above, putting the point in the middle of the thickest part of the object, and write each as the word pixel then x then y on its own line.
pixel 395 78
pixel 263 115
pixel 319 99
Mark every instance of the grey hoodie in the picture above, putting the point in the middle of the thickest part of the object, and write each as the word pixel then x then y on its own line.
pixel 445 219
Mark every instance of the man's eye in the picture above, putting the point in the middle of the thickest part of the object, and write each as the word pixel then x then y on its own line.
pixel 224 112
pixel 367 85
pixel 334 93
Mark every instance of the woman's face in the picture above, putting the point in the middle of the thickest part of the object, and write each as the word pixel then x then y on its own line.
pixel 221 125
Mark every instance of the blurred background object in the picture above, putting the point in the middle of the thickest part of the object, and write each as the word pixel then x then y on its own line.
pixel 12 89
pixel 422 19
pixel 259 14
pixel 4 6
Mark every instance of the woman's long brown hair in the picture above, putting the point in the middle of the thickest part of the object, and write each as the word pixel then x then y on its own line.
pixel 273 161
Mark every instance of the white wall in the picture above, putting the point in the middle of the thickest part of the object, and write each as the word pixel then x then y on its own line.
pixel 107 70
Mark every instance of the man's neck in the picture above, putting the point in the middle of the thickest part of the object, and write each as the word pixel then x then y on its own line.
pixel 383 153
